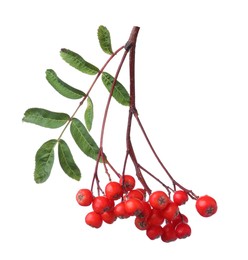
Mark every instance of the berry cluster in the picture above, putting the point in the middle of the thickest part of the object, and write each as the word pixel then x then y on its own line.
pixel 155 212
pixel 158 215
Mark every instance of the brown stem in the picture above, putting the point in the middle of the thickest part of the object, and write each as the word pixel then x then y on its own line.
pixel 89 90
pixel 101 153
pixel 133 112
pixel 130 45
pixel 110 97
pixel 174 182
pixel 113 169
pixel 168 188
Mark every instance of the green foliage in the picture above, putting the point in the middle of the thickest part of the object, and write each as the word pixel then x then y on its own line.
pixel 120 93
pixel 83 139
pixel 89 114
pixel 45 118
pixel 63 88
pixel 67 162
pixel 104 39
pixel 76 61
pixel 44 161
pixel 44 158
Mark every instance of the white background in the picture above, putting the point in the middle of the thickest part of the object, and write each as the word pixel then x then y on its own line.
pixel 191 76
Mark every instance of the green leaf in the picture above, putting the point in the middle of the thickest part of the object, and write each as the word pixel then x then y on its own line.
pixel 104 39
pixel 67 162
pixel 44 159
pixel 45 118
pixel 63 88
pixel 83 139
pixel 120 93
pixel 76 61
pixel 89 114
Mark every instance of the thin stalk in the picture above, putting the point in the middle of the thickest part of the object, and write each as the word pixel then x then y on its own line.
pixel 101 154
pixel 131 44
pixel 110 97
pixel 168 188
pixel 133 112
pixel 174 182
pixel 89 90
pixel 113 169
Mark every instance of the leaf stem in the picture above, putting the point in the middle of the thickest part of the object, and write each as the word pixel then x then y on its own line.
pixel 101 154
pixel 89 90
pixel 110 97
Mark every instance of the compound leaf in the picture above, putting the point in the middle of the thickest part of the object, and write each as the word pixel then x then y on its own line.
pixel 76 61
pixel 104 39
pixel 67 162
pixel 44 159
pixel 45 118
pixel 89 114
pixel 120 93
pixel 83 139
pixel 63 88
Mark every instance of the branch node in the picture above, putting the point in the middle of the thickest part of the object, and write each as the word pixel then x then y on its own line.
pixel 133 110
pixel 128 45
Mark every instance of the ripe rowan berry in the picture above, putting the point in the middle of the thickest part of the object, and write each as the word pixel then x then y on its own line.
pixel 170 211
pixel 146 210
pixel 128 182
pixel 113 190
pixel 141 223
pixel 137 193
pixel 134 207
pixel 155 218
pixel 154 232
pixel 159 200
pixel 206 206
pixel 109 217
pixel 179 219
pixel 120 211
pixel 93 219
pixel 183 230
pixel 102 204
pixel 84 197
pixel 169 233
pixel 180 197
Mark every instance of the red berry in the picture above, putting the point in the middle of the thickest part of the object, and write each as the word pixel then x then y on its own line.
pixel 113 190
pixel 154 232
pixel 93 219
pixel 141 223
pixel 137 193
pixel 179 219
pixel 120 211
pixel 155 218
pixel 180 197
pixel 108 217
pixel 84 197
pixel 206 206
pixel 134 207
pixel 146 210
pixel 102 204
pixel 143 191
pixel 158 200
pixel 183 230
pixel 128 182
pixel 170 212
pixel 169 233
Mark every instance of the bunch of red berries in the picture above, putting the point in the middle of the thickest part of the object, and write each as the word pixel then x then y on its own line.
pixel 158 215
